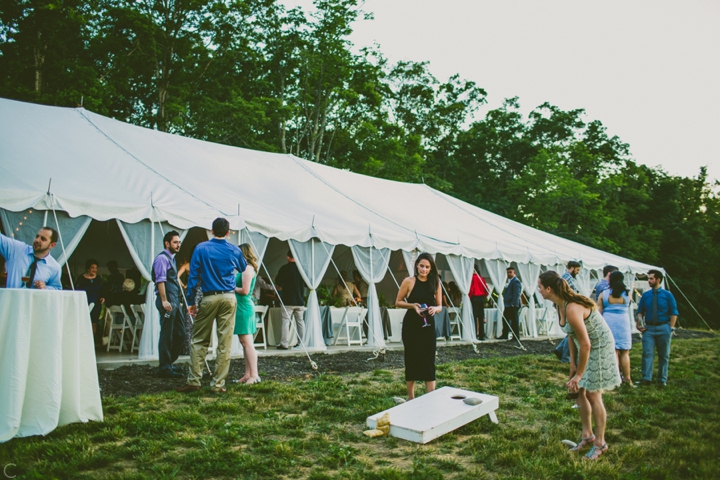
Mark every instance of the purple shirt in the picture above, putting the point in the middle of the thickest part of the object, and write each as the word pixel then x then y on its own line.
pixel 161 265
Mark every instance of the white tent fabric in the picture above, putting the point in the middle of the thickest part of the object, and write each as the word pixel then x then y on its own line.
pixel 372 263
pixel 583 281
pixel 529 273
pixel 409 259
pixel 497 271
pixel 462 269
pixel 105 169
pixel 312 258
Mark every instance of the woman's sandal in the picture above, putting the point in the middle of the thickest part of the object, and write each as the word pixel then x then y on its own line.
pixel 595 452
pixel 583 443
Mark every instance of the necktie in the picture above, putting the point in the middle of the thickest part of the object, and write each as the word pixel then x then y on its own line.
pixel 32 270
pixel 655 305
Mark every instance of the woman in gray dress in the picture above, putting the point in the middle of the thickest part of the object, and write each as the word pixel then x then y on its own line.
pixel 593 365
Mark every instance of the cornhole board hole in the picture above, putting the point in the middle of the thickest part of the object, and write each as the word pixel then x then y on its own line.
pixel 436 413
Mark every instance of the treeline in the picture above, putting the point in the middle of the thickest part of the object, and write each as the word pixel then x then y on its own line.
pixel 254 74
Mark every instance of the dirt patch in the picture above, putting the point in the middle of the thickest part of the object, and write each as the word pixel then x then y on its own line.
pixel 143 379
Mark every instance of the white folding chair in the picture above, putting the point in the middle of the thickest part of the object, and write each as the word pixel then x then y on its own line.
pixel 454 314
pixel 349 322
pixel 120 321
pixel 260 314
pixel 139 312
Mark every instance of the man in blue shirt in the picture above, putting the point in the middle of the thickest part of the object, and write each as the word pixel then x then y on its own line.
pixel 656 317
pixel 169 304
pixel 213 266
pixel 511 297
pixel 32 267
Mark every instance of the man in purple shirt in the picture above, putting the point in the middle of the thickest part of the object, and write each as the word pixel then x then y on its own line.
pixel 169 304
pixel 214 265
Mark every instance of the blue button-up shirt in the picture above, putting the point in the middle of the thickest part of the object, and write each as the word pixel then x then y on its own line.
pixel 667 306
pixel 213 266
pixel 18 258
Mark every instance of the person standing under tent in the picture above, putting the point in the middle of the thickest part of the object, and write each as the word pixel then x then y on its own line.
pixel 245 322
pixel 656 316
pixel 511 296
pixel 593 366
pixel 421 295
pixel 613 304
pixel 31 267
pixel 345 290
pixel 291 287
pixel 214 263
pixel 362 287
pixel 604 282
pixel 169 302
pixel 92 284
pixel 570 276
pixel 478 293
pixel 115 279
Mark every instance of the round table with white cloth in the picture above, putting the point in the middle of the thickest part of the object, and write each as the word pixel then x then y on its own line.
pixel 48 374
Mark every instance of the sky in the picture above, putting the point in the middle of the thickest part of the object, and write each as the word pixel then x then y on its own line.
pixel 649 70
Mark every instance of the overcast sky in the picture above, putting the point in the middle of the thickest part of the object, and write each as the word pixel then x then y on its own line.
pixel 648 70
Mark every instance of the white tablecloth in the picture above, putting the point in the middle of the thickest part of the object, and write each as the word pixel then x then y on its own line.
pixel 48 374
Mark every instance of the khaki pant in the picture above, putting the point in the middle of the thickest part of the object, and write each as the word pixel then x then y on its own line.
pixel 213 307
pixel 297 314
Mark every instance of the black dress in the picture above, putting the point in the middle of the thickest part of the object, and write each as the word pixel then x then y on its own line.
pixel 419 341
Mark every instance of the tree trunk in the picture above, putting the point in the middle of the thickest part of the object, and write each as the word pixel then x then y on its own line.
pixel 39 57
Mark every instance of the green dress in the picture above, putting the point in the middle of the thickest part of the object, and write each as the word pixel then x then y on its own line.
pixel 602 369
pixel 245 323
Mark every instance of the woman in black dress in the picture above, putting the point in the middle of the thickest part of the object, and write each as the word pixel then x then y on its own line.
pixel 92 284
pixel 422 296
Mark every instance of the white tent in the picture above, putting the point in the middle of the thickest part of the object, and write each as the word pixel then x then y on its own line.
pixel 80 166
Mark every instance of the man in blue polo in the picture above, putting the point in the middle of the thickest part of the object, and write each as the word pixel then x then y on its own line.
pixel 32 267
pixel 658 309
pixel 213 266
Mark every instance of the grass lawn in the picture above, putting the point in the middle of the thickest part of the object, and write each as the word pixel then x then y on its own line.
pixel 313 429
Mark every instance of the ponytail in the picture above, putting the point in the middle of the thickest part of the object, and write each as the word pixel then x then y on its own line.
pixel 560 287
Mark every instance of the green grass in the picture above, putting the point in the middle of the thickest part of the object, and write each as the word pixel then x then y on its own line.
pixel 313 429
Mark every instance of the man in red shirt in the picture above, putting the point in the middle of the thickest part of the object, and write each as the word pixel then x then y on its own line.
pixel 478 293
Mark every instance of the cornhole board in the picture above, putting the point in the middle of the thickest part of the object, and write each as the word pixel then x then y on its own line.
pixel 436 413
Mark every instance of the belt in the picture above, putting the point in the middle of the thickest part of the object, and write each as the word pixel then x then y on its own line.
pixel 655 324
pixel 217 292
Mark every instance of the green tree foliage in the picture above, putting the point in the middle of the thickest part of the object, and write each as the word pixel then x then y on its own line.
pixel 254 74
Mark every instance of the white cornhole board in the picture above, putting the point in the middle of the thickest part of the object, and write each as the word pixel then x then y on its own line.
pixel 436 413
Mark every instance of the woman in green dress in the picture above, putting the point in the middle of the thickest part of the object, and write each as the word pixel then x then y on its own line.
pixel 245 324
pixel 593 365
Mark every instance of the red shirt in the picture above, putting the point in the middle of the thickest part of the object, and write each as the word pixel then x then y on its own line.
pixel 478 287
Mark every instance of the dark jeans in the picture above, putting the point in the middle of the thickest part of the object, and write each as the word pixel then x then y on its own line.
pixel 172 336
pixel 511 315
pixel 478 306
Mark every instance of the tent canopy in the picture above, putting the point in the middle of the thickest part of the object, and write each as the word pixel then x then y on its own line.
pixel 106 169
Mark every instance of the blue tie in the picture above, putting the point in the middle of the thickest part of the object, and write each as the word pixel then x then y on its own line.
pixel 655 305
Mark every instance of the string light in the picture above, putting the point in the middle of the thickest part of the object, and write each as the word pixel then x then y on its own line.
pixel 17 229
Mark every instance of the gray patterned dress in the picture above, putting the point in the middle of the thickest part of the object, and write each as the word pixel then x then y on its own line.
pixel 602 369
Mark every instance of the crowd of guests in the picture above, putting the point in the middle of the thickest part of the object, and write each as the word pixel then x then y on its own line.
pixel 223 281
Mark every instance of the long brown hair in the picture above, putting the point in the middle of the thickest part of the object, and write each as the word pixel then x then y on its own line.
pixel 560 287
pixel 433 276
pixel 250 256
